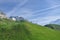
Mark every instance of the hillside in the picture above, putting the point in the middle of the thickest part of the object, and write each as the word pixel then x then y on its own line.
pixel 11 30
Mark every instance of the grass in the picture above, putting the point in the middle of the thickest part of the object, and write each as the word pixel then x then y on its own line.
pixel 10 30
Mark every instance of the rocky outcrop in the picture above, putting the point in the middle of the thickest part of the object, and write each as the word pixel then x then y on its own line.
pixel 2 15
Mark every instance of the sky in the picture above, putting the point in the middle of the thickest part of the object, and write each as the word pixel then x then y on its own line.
pixel 37 11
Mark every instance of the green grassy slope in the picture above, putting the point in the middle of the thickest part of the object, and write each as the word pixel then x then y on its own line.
pixel 10 30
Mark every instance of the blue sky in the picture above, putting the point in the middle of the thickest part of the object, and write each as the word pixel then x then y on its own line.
pixel 38 11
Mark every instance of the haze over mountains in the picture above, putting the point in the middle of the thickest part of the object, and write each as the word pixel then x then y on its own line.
pixel 56 22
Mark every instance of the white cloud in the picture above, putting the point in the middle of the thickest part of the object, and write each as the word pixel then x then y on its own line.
pixel 17 7
pixel 44 20
pixel 27 13
pixel 55 6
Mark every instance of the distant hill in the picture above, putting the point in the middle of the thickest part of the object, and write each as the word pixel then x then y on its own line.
pixel 12 30
pixel 56 22
pixel 53 26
